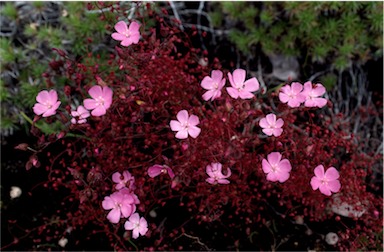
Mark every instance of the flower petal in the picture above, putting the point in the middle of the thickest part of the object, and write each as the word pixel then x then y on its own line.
pixel 99 111
pixel 170 172
pixel 108 203
pixel 135 38
pixel 296 87
pixel 114 215
pixel 134 27
pixel 52 96
pixel 319 90
pixel 283 176
pixel 211 181
pixel 315 183
pixel 274 158
pixel 245 94
pixel 135 233
pixel 116 177
pixel 264 123
pixel 193 120
pixel 285 165
pixel 208 95
pixel 332 173
pixel 334 185
pixel 129 225
pixel 126 42
pixel 319 171
pixel 95 92
pixel 175 125
pixel 272 177
pixel 121 27
pixel 320 102
pixel 182 134
pixel 277 132
pixel 194 131
pixel 39 109
pixel 266 166
pixel 182 116
pixel 126 210
pixel 233 92
pixel 217 75
pixel 223 181
pixel 325 190
pixel 268 132
pixel 271 119
pixel 90 104
pixel 155 170
pixel 284 98
pixel 107 94
pixel 118 36
pixel 279 123
pixel 239 77
pixel 42 96
pixel 251 85
pixel 207 83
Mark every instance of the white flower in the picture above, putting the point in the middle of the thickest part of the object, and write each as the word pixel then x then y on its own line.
pixel 62 242
pixel 15 192
pixel 331 238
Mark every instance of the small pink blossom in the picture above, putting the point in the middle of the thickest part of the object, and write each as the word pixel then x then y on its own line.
pixel 185 125
pixel 213 84
pixel 81 113
pixel 240 87
pixel 156 170
pixel 126 35
pixel 215 174
pixel 275 168
pixel 139 226
pixel 292 94
pixel 47 103
pixel 120 204
pixel 124 180
pixel 327 182
pixel 312 94
pixel 101 100
pixel 271 126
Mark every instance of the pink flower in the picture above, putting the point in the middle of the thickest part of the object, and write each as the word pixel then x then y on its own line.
pixel 271 126
pixel 126 35
pixel 139 226
pixel 102 100
pixel 185 125
pixel 327 182
pixel 275 168
pixel 292 94
pixel 215 174
pixel 213 84
pixel 240 87
pixel 124 180
pixel 156 170
pixel 120 204
pixel 81 113
pixel 312 95
pixel 47 103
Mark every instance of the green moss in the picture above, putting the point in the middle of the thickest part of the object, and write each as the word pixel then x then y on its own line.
pixel 7 52
pixel 336 32
pixel 9 10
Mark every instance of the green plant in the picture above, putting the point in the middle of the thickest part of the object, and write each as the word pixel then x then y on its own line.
pixel 25 53
pixel 334 32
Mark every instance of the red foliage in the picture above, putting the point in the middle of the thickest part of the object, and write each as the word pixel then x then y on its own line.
pixel 154 80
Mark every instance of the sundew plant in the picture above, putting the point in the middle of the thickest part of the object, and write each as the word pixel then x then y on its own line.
pixel 151 147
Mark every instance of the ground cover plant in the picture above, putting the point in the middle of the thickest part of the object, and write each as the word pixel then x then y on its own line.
pixel 152 150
